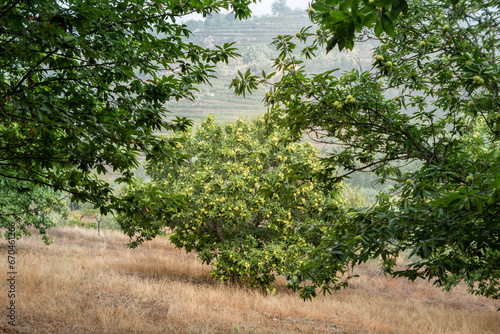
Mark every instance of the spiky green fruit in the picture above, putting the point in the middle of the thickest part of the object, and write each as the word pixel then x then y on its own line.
pixel 478 80
pixel 350 99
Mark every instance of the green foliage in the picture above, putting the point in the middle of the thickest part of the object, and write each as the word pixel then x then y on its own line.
pixel 24 208
pixel 343 18
pixel 218 20
pixel 77 221
pixel 259 55
pixel 430 101
pixel 251 206
pixel 83 86
pixel 355 197
pixel 279 7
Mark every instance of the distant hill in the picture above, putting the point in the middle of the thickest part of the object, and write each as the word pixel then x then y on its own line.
pixel 252 38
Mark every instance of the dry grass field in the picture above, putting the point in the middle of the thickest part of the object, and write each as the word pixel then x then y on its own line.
pixel 88 284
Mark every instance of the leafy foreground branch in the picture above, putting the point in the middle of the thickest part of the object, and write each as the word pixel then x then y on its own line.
pixel 83 86
pixel 427 116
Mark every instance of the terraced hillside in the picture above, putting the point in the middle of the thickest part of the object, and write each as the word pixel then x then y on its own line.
pixel 253 38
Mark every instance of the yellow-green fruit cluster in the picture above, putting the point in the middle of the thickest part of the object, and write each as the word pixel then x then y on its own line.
pixel 478 80
pixel 232 163
pixel 350 99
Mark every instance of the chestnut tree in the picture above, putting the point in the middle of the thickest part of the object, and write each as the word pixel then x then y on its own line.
pixel 249 202
pixel 426 115
pixel 83 84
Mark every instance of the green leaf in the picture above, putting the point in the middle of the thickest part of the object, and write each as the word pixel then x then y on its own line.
pixel 369 18
pixel 337 16
pixel 387 25
pixel 320 6
pixel 379 29
pixel 331 43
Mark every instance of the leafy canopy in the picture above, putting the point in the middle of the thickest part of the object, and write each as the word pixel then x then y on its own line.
pixel 83 86
pixel 344 18
pixel 425 115
pixel 242 210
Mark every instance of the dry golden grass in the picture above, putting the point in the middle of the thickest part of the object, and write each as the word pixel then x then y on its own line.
pixel 88 284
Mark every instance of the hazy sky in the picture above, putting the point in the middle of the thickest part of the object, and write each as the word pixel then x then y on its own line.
pixel 264 7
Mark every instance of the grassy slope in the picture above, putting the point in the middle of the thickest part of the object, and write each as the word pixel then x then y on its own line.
pixel 89 284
